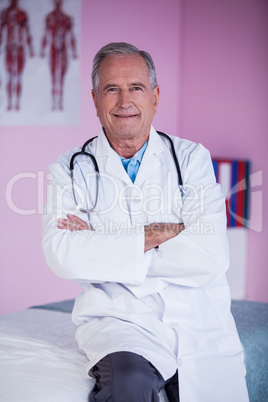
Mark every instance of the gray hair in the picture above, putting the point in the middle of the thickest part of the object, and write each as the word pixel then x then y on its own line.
pixel 121 48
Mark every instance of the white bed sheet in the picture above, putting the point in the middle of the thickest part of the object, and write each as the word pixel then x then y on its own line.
pixel 40 360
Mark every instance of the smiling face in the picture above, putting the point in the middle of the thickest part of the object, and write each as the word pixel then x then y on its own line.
pixel 125 102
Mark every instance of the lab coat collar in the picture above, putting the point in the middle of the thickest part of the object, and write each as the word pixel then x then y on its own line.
pixel 111 160
pixel 155 144
pixel 150 163
pixel 103 146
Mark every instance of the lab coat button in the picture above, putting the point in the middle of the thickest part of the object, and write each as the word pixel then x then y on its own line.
pixel 179 361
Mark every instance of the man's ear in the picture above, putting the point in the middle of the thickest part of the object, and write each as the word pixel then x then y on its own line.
pixel 156 97
pixel 95 100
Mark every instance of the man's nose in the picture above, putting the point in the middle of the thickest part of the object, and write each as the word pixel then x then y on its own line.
pixel 125 99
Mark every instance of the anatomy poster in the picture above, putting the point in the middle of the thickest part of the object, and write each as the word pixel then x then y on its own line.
pixel 39 62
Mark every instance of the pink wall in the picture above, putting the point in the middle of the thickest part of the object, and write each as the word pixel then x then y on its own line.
pixel 25 279
pixel 224 94
pixel 225 101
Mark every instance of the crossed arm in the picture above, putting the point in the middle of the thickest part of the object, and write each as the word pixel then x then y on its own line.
pixel 155 233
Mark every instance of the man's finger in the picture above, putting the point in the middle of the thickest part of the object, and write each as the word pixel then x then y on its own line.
pixel 73 223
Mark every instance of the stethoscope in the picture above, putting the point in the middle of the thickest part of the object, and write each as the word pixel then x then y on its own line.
pixel 97 172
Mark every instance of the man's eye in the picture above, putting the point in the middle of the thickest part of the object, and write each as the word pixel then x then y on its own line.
pixel 136 89
pixel 112 89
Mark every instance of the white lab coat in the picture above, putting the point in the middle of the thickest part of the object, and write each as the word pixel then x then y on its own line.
pixel 171 304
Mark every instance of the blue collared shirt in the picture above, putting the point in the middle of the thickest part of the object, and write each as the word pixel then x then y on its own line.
pixel 132 165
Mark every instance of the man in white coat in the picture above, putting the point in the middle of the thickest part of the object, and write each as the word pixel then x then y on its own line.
pixel 151 259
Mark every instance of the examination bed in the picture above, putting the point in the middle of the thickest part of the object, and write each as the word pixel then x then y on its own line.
pixel 40 360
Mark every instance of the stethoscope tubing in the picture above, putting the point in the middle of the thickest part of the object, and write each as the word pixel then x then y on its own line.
pixel 174 157
pixel 94 161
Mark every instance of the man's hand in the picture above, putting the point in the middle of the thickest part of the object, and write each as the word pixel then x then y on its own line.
pixel 158 233
pixel 73 223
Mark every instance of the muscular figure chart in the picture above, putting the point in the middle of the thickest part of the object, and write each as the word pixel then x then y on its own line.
pixel 59 33
pixel 15 32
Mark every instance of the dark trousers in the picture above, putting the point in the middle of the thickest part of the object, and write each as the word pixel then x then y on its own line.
pixel 128 377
